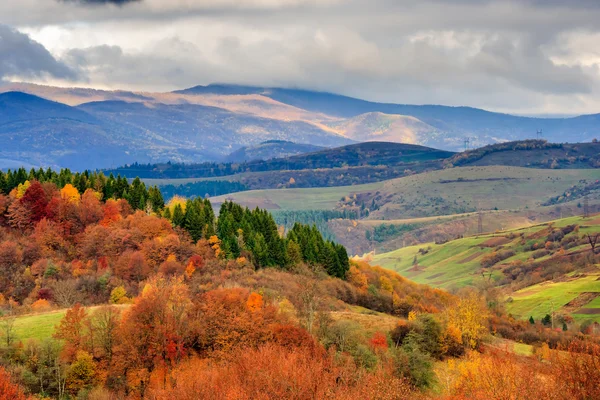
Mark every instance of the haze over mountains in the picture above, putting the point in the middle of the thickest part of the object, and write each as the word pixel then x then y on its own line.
pixel 85 128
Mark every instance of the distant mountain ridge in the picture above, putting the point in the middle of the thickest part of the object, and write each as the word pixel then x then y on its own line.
pixel 86 128
pixel 485 127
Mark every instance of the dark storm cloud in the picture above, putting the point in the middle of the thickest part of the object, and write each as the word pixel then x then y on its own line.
pixel 22 56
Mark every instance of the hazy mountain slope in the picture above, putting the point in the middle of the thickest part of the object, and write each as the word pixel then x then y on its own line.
pixel 206 131
pixel 38 132
pixel 484 126
pixel 19 107
pixel 376 126
pixel 269 150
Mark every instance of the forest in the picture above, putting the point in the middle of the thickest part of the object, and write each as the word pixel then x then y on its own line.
pixel 176 300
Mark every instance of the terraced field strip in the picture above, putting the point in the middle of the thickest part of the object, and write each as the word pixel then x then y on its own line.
pixel 543 298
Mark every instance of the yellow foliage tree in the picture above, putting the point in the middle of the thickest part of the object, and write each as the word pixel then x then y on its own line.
pixel 119 295
pixel 176 200
pixel 70 194
pixel 468 316
pixel 21 189
pixel 386 284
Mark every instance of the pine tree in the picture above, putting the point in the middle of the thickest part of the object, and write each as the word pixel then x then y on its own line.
pixel 193 221
pixel 178 216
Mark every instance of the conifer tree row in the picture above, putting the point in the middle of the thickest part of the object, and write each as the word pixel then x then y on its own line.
pixel 253 234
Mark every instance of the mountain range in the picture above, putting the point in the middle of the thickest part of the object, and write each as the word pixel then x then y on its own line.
pixel 86 128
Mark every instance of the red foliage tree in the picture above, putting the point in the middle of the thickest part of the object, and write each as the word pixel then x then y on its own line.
pixel 36 200
pixel 9 390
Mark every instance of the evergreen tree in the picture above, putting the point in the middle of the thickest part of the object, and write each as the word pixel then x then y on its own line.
pixel 178 216
pixel 193 220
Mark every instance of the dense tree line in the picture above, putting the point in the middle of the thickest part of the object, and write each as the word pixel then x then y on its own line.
pixel 383 232
pixel 319 218
pixel 241 232
pixel 136 193
pixel 202 189
pixel 363 154
pixel 256 234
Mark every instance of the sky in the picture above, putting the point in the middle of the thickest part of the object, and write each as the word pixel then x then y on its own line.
pixel 523 57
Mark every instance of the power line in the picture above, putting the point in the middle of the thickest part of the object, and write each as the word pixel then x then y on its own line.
pixel 539 133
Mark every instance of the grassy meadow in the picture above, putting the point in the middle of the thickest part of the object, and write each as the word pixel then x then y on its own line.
pixel 457 263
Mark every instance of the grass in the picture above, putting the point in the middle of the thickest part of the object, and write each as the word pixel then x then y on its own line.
pixel 37 326
pixel 431 193
pixel 42 325
pixel 457 264
pixel 520 349
pixel 296 199
pixel 370 321
pixel 452 264
pixel 541 299
pixel 470 188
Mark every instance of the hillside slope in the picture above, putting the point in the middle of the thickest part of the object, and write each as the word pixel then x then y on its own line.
pixel 443 192
pixel 269 150
pixel 300 115
pixel 541 269
pixel 484 126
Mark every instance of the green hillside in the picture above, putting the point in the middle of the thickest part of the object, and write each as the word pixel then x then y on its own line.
pixel 444 192
pixel 539 268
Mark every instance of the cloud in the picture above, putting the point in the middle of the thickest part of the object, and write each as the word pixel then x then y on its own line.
pixel 100 2
pixel 526 56
pixel 25 58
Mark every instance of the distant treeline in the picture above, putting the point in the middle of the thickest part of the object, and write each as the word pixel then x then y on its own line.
pixel 318 218
pixel 381 233
pixel 470 156
pixel 203 189
pixel 364 154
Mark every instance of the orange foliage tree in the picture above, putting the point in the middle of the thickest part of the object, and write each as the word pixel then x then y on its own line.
pixel 9 390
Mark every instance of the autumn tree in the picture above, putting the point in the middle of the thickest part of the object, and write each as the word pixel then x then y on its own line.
pixel 468 316
pixel 8 389
pixel 154 332
pixel 72 330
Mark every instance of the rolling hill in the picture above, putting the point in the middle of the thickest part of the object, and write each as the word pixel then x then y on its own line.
pixel 541 269
pixel 269 150
pixel 443 192
pixel 206 123
pixel 39 132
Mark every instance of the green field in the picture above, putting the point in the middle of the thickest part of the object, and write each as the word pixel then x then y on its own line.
pixel 296 199
pixel 443 192
pixel 41 326
pixel 546 297
pixel 458 263
pixel 449 265
pixel 37 326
